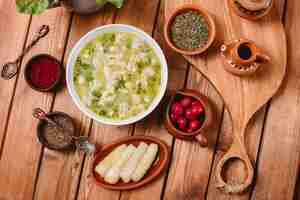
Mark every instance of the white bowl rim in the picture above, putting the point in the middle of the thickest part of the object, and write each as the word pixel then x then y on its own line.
pixel 91 35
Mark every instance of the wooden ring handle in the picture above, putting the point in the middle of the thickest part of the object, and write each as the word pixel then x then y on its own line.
pixel 202 140
pixel 234 188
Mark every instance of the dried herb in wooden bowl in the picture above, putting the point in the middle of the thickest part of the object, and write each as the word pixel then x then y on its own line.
pixel 189 31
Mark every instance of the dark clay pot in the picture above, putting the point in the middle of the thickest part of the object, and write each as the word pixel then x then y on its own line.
pixel 83 7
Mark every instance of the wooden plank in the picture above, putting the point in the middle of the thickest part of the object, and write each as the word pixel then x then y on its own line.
pixel 105 134
pixel 252 141
pixel 13 35
pixel 190 169
pixel 63 170
pixel 280 155
pixel 153 124
pixel 297 189
pixel 22 151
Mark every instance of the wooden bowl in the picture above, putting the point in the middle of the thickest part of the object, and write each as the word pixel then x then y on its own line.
pixel 157 167
pixel 28 70
pixel 208 18
pixel 248 16
pixel 198 134
pixel 42 139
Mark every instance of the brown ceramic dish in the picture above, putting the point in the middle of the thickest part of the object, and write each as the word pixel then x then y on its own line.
pixel 209 20
pixel 158 166
pixel 28 71
pixel 247 14
pixel 41 127
pixel 196 135
pixel 242 57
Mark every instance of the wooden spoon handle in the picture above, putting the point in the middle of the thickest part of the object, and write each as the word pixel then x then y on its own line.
pixel 235 153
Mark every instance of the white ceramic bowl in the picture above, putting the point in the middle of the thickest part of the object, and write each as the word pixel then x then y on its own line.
pixel 90 36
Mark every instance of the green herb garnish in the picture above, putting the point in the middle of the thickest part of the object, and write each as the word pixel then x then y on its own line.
pixel 34 7
pixel 189 31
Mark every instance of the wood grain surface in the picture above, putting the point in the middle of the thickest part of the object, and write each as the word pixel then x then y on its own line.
pixel 246 100
pixel 21 151
pixel 27 171
pixel 281 138
pixel 13 34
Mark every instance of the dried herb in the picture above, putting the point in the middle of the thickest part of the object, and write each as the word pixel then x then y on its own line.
pixel 189 31
pixel 55 137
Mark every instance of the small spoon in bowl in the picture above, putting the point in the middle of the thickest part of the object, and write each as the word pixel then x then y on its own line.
pixel 10 69
pixel 81 142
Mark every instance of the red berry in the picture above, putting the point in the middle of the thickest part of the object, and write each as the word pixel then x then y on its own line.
pixel 197 103
pixel 177 108
pixel 189 114
pixel 174 117
pixel 194 125
pixel 182 123
pixel 186 101
pixel 197 109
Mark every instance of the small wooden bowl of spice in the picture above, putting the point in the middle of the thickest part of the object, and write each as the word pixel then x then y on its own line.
pixel 43 73
pixel 190 30
pixel 60 136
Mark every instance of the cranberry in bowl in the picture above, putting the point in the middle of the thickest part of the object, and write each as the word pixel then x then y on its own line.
pixel 189 115
pixel 43 73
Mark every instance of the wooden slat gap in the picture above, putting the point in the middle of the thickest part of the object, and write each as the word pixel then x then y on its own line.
pixel 156 18
pixel 14 89
pixel 168 170
pixel 215 152
pixel 173 144
pixel 259 150
pixel 83 163
pixel 40 162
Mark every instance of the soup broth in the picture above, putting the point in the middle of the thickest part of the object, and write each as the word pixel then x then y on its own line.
pixel 117 75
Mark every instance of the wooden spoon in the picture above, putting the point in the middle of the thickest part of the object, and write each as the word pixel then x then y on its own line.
pixel 243 96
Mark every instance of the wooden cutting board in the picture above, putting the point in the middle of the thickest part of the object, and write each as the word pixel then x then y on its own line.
pixel 243 96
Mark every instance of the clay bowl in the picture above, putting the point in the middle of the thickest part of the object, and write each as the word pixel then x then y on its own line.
pixel 246 15
pixel 44 142
pixel 157 167
pixel 27 72
pixel 208 18
pixel 208 121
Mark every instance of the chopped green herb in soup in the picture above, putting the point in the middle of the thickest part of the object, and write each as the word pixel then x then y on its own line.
pixel 117 75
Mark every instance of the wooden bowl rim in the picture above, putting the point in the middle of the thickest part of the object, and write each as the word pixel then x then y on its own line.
pixel 44 142
pixel 208 18
pixel 158 165
pixel 27 70
pixel 207 108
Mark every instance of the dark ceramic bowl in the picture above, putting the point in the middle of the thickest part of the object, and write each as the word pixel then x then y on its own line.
pixel 208 121
pixel 40 132
pixel 28 71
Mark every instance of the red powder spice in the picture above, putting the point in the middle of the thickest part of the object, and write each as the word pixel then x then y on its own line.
pixel 44 72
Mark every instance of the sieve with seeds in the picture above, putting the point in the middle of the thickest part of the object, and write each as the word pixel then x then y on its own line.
pixel 56 131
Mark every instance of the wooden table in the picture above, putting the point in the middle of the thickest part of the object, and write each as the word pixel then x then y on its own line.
pixel 28 171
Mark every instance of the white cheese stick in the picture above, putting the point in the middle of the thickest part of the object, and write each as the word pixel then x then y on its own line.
pixel 145 163
pixel 108 161
pixel 132 163
pixel 113 174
